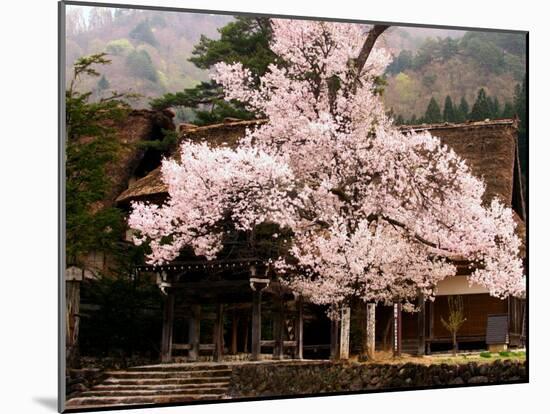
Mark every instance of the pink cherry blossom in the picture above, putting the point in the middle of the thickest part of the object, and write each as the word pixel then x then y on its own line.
pixel 375 213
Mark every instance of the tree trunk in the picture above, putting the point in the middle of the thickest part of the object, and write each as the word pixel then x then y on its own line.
pixel 455 345
pixel 370 340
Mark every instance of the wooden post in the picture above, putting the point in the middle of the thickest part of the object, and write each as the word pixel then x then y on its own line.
pixel 256 324
pixel 218 333
pixel 234 332
pixel 278 329
pixel 370 343
pixel 421 325
pixel 345 320
pixel 334 338
pixel 396 329
pixel 194 332
pixel 167 328
pixel 300 328
pixel 430 327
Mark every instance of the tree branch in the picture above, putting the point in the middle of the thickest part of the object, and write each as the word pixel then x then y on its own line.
pixel 374 33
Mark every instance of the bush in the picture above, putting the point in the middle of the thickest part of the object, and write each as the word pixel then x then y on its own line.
pixel 140 65
pixel 485 355
pixel 119 47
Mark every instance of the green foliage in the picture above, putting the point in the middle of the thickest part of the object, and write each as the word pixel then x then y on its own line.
pixel 463 110
pixel 168 141
pixel 449 111
pixel 403 62
pixel 103 83
pixel 140 65
pixel 488 55
pixel 520 106
pixel 482 107
pixel 244 40
pixel 508 111
pixel 143 33
pixel 207 101
pixel 126 318
pixel 485 355
pixel 119 47
pixel 433 112
pixel 90 146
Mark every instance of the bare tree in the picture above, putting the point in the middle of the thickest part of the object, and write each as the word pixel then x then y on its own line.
pixel 455 319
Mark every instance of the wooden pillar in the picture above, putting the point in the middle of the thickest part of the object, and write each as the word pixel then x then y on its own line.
pixel 234 332
pixel 256 324
pixel 194 332
pixel 278 329
pixel 370 340
pixel 430 310
pixel 397 329
pixel 300 328
pixel 167 327
pixel 345 320
pixel 334 339
pixel 421 325
pixel 218 333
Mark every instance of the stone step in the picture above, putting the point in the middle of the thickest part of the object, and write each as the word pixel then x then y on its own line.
pixel 153 392
pixel 161 386
pixel 164 381
pixel 169 374
pixel 180 367
pixel 97 402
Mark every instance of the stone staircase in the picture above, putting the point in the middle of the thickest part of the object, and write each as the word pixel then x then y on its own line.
pixel 157 384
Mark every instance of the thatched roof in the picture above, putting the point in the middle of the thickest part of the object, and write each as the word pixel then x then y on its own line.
pixel 139 126
pixel 152 187
pixel 488 147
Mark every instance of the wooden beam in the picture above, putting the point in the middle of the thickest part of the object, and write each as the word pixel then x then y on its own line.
pixel 256 324
pixel 345 321
pixel 167 328
pixel 421 325
pixel 278 328
pixel 430 310
pixel 397 329
pixel 218 333
pixel 370 334
pixel 300 328
pixel 334 339
pixel 234 332
pixel 194 332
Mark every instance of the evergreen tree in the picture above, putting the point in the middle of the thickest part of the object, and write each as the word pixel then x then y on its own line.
pixel 245 40
pixel 433 112
pixel 90 229
pixel 508 111
pixel 143 33
pixel 140 65
pixel 482 107
pixel 449 111
pixel 520 104
pixel 403 62
pixel 495 107
pixel 103 83
pixel 399 120
pixel 463 111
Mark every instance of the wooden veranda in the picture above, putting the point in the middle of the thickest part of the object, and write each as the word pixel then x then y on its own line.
pixel 199 296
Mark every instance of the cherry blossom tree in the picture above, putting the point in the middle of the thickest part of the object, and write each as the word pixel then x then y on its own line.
pixel 374 213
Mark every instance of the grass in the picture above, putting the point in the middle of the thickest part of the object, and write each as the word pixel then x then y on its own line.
pixel 461 358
